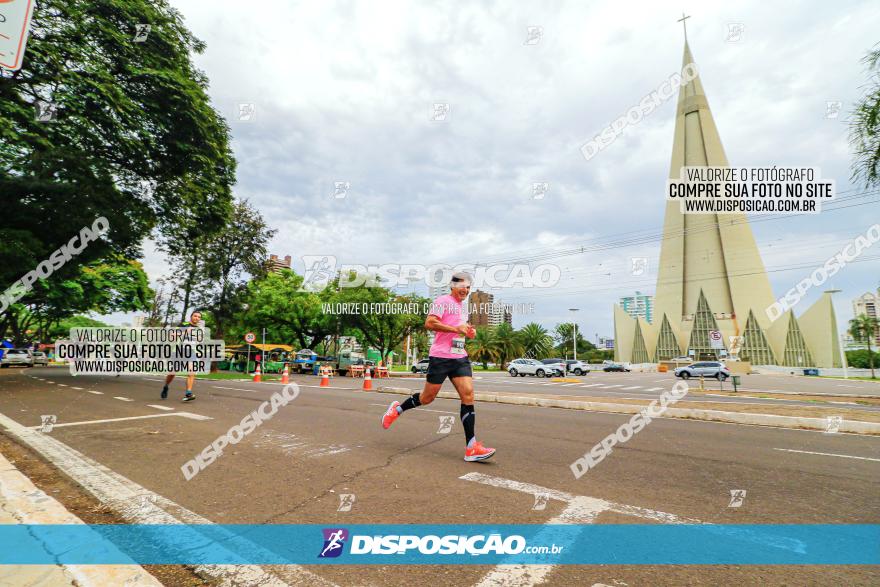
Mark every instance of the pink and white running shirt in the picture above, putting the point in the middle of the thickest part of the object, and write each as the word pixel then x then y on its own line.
pixel 449 345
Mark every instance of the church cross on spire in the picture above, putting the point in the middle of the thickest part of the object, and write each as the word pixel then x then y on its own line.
pixel 684 24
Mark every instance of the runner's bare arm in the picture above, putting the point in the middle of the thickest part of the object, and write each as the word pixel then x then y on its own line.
pixel 433 323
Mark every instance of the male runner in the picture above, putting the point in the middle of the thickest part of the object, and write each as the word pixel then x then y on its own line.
pixel 448 358
pixel 195 321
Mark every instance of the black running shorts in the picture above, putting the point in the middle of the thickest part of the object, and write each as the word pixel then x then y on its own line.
pixel 439 369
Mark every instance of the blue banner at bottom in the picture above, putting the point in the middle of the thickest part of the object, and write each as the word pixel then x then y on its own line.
pixel 384 544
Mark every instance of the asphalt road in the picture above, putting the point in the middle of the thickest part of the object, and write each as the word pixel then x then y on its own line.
pixel 329 441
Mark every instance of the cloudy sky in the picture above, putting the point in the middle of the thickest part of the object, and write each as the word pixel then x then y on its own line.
pixel 343 91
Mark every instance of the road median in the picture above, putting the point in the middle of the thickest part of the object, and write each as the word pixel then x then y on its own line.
pixel 797 417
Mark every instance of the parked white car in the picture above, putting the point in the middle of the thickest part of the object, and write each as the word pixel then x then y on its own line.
pixel 523 367
pixel 21 357
pixel 714 369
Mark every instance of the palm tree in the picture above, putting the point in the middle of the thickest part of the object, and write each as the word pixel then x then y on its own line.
pixel 863 328
pixel 865 127
pixel 535 340
pixel 481 347
pixel 506 344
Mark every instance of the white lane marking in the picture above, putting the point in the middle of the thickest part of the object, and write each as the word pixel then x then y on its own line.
pixel 158 407
pixel 124 399
pixel 659 381
pixel 594 385
pixel 79 388
pixel 62 385
pixel 138 505
pixel 187 415
pixel 421 409
pixel 95 392
pixel 569 384
pixel 654 389
pixel 610 386
pixel 233 388
pixel 579 509
pixel 827 454
pixel 633 387
pixel 148 379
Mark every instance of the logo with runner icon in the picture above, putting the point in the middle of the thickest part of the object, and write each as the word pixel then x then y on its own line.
pixel 334 542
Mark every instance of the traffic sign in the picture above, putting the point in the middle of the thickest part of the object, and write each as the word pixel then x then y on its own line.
pixel 15 23
pixel 250 337
pixel 716 341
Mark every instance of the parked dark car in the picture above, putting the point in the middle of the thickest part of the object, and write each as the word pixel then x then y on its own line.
pixel 616 367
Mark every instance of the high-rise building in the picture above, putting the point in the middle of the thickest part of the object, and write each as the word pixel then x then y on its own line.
pixel 711 276
pixel 274 264
pixel 479 309
pixel 639 306
pixel 500 314
pixel 868 304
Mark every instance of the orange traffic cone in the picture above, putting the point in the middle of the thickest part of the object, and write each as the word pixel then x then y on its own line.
pixel 325 378
pixel 368 381
pixel 258 375
pixel 285 375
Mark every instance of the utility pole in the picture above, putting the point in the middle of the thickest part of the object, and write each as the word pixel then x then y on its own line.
pixel 574 332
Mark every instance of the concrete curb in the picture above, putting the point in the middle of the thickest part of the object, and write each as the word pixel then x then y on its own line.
pixel 24 503
pixel 798 422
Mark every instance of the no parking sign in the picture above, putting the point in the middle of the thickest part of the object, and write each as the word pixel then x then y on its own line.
pixel 716 341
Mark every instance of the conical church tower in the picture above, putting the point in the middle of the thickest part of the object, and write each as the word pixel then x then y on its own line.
pixel 711 276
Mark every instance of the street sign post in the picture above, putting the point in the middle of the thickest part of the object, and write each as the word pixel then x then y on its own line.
pixel 15 23
pixel 249 338
pixel 716 341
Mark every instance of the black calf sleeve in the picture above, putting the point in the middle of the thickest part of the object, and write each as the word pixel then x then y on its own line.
pixel 410 403
pixel 467 421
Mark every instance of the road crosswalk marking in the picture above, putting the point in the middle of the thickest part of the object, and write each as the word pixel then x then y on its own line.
pixel 579 509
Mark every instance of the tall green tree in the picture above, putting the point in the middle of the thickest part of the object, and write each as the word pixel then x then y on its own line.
pixel 865 126
pixel 563 335
pixel 536 341
pixel 381 330
pixel 863 328
pixel 290 315
pixel 135 138
pixel 230 257
pixel 102 287
pixel 506 343
pixel 481 347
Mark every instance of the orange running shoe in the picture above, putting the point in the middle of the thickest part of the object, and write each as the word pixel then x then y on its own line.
pixel 478 452
pixel 390 415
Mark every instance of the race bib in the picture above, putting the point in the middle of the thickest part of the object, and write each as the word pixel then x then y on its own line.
pixel 457 347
